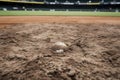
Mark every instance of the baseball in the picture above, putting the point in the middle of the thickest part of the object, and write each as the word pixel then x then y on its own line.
pixel 59 47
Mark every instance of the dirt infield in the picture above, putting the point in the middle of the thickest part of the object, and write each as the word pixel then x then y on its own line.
pixel 8 20
pixel 58 19
pixel 93 48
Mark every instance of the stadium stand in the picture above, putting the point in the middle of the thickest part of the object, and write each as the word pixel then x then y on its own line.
pixel 81 1
pixel 61 5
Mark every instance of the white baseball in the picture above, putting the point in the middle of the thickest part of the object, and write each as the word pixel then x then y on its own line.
pixel 59 47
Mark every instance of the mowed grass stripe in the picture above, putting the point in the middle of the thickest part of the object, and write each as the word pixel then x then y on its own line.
pixel 57 13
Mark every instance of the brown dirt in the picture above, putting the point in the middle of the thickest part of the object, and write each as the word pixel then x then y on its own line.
pixel 25 48
pixel 58 19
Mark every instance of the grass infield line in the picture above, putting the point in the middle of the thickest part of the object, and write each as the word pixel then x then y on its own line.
pixel 57 13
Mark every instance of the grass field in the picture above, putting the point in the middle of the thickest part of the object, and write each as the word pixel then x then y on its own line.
pixel 57 13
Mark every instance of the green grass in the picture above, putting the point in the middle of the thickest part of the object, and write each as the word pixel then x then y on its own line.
pixel 57 13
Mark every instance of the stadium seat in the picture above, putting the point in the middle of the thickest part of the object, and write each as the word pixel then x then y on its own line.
pixel 108 0
pixel 50 0
pixel 82 1
pixel 39 0
pixel 73 1
pixel 96 1
pixel 117 0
